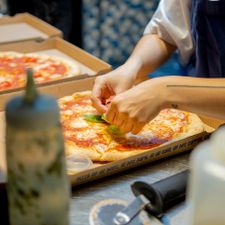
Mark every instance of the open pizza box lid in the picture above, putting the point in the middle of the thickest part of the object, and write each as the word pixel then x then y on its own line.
pixel 99 170
pixel 24 27
pixel 89 65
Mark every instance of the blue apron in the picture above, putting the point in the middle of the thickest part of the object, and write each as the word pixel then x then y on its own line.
pixel 208 30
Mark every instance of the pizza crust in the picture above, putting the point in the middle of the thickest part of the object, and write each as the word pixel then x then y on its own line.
pixel 195 126
pixel 115 155
pixel 71 148
pixel 10 54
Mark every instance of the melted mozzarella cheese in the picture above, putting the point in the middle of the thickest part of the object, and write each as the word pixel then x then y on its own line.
pixel 86 108
pixel 68 133
pixel 12 64
pixel 85 135
pixel 101 147
pixel 2 79
pixel 67 112
pixel 65 99
pixel 41 66
pixel 56 75
pixel 39 79
pixel 87 101
pixel 78 123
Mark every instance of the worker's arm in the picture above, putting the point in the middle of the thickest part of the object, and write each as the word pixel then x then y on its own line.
pixel 149 53
pixel 132 109
pixel 200 95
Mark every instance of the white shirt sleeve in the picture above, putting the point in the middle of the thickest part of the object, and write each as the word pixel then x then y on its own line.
pixel 171 22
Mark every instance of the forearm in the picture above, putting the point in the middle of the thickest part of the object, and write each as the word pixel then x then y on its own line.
pixel 149 54
pixel 199 95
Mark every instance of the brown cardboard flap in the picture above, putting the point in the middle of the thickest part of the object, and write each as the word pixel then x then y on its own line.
pixel 23 27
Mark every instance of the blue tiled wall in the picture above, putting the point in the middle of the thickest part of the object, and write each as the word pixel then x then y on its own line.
pixel 111 28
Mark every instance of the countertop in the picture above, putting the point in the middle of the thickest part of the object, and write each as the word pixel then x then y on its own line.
pixel 85 196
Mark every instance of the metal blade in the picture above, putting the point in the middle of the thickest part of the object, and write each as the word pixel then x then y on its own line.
pixel 127 214
pixel 104 212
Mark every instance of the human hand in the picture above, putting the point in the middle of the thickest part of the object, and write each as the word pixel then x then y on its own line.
pixel 111 84
pixel 132 109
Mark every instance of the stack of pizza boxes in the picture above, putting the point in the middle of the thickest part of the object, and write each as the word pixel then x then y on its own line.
pixel 25 33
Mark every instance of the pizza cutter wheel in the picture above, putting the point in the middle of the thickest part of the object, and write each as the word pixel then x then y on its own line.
pixel 147 208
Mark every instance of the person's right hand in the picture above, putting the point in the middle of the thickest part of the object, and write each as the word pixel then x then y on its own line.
pixel 111 84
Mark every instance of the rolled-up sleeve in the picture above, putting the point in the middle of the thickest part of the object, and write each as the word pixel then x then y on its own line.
pixel 171 22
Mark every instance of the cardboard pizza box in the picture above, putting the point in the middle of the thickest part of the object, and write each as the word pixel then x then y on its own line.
pixel 89 65
pixel 24 27
pixel 26 33
pixel 105 169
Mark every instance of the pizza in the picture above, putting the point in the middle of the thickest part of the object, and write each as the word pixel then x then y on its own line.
pixel 46 68
pixel 85 132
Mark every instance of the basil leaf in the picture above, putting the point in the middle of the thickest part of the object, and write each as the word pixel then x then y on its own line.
pixel 114 130
pixel 104 118
pixel 111 129
pixel 94 118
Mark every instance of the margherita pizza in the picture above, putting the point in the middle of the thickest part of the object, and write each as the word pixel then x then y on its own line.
pixel 46 68
pixel 85 132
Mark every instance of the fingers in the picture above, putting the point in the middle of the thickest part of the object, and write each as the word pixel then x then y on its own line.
pixel 131 125
pixel 96 97
pixel 137 127
pixel 96 102
pixel 111 114
pixel 100 93
pixel 127 126
pixel 96 91
pixel 123 121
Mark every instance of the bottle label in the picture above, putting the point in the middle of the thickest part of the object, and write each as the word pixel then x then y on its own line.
pixel 38 187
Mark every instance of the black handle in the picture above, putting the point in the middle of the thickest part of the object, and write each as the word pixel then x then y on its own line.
pixel 164 193
pixel 3 205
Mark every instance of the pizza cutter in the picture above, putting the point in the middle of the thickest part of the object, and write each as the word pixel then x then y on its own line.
pixel 147 208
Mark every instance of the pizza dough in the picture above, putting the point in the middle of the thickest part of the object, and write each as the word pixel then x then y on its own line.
pixel 97 141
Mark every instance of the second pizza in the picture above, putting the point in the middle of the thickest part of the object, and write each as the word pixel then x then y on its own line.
pixel 46 68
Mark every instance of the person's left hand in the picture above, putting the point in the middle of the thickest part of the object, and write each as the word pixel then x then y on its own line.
pixel 132 109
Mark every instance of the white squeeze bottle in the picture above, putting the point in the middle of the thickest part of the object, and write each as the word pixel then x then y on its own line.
pixel 206 193
pixel 38 187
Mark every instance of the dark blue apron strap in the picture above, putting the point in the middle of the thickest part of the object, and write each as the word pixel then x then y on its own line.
pixel 208 29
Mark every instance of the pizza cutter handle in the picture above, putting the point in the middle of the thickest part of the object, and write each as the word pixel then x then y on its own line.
pixel 164 193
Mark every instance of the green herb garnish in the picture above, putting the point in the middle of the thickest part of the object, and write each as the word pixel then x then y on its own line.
pixel 114 130
pixel 111 129
pixel 94 118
